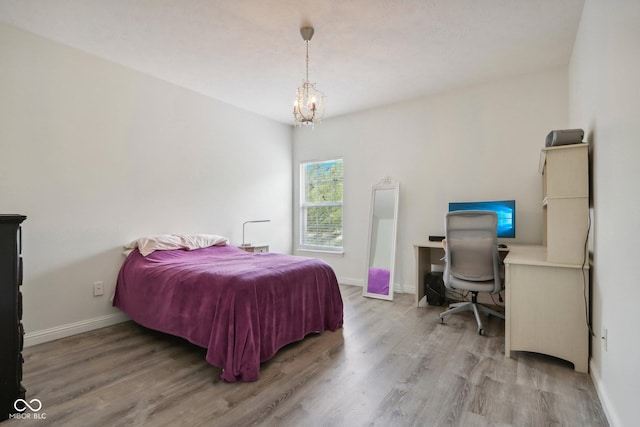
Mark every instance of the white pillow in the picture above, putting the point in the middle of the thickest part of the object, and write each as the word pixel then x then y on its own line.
pixel 165 242
pixel 198 241
pixel 161 242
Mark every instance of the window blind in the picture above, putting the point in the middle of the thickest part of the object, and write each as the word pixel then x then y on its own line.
pixel 321 204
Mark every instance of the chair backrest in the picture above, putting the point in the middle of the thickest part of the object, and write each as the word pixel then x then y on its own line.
pixel 472 246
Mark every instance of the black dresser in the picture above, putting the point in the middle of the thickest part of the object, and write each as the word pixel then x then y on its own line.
pixel 11 330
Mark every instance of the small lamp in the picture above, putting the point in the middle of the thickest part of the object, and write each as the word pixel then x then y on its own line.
pixel 249 222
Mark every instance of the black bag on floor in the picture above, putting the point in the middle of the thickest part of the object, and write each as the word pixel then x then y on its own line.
pixel 434 288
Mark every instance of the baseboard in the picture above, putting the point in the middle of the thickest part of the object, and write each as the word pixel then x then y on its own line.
pixel 57 332
pixel 399 288
pixel 614 420
pixel 350 281
pixel 403 288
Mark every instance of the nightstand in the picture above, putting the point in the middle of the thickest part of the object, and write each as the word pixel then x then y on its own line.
pixel 256 249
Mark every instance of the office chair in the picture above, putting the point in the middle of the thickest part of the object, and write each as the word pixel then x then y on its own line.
pixel 472 262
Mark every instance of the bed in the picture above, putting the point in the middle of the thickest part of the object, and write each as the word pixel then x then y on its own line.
pixel 241 307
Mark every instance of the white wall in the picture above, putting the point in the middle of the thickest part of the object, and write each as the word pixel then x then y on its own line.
pixel 605 102
pixel 96 155
pixel 476 143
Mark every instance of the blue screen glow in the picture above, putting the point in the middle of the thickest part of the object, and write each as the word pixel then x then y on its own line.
pixel 505 209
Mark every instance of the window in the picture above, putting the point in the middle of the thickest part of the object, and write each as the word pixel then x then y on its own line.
pixel 321 205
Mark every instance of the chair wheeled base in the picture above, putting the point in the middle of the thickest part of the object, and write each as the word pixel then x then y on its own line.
pixel 471 306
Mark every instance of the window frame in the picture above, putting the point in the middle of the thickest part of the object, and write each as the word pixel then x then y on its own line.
pixel 304 205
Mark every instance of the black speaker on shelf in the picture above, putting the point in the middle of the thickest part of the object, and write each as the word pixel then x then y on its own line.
pixel 564 137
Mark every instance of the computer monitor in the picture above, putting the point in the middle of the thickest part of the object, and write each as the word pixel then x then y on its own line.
pixel 505 209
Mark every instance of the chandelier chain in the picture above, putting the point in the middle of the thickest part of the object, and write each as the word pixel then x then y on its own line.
pixel 307 75
pixel 308 108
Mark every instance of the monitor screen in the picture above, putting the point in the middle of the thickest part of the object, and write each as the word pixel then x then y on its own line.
pixel 506 210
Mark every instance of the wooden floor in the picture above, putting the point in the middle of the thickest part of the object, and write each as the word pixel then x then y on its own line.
pixel 391 365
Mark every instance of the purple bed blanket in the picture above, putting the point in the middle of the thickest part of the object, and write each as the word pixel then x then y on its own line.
pixel 241 307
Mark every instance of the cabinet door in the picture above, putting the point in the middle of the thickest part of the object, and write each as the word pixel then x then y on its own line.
pixel 566 172
pixel 547 312
pixel 567 229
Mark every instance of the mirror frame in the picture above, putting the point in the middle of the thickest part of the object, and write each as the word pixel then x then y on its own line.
pixel 385 184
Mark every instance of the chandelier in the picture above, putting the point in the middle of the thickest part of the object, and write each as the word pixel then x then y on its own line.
pixel 308 107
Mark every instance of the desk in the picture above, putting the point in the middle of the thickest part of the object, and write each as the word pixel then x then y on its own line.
pixel 427 255
pixel 545 306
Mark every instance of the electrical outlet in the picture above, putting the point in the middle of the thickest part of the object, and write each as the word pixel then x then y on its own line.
pixel 98 289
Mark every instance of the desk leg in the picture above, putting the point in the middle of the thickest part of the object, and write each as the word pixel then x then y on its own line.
pixel 422 267
pixel 507 312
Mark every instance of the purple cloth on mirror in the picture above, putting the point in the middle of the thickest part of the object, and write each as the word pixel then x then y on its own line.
pixel 378 281
pixel 241 307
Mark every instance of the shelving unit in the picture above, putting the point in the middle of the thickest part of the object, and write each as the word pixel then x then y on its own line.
pixel 11 330
pixel 565 203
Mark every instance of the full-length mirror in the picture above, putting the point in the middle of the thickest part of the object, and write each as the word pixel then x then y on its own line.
pixel 381 248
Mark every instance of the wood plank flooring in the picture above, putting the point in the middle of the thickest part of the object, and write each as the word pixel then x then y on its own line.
pixel 391 365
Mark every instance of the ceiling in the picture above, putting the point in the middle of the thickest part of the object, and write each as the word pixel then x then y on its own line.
pixel 364 53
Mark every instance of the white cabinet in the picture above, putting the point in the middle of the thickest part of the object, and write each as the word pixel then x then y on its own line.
pixel 256 249
pixel 546 306
pixel 547 286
